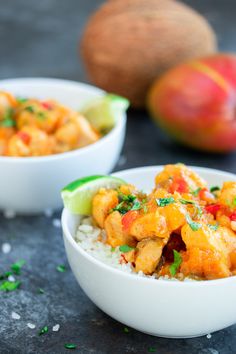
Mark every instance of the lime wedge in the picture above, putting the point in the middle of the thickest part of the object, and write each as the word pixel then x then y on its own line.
pixel 78 195
pixel 103 112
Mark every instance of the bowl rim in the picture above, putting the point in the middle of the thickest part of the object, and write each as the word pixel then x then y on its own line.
pixel 120 124
pixel 115 271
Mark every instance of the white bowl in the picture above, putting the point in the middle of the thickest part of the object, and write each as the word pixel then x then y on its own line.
pixel 30 185
pixel 157 307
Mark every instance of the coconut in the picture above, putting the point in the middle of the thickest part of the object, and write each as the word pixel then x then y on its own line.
pixel 127 44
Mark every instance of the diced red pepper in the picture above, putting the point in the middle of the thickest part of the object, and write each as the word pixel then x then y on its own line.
pixel 128 219
pixel 204 194
pixel 212 208
pixel 24 137
pixel 122 259
pixel 47 105
pixel 233 216
pixel 178 185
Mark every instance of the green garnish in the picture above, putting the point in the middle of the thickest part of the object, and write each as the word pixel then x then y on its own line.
pixel 145 209
pixel 9 285
pixel 234 202
pixel 136 206
pixel 213 227
pixel 41 291
pixel 16 267
pixel 126 198
pixel 5 275
pixel 126 330
pixel 29 109
pixel 125 248
pixel 185 201
pixel 8 120
pixel 195 226
pixel 121 208
pixel 21 99
pixel 70 346
pixel 162 202
pixel 196 191
pixel 43 330
pixel 113 249
pixel 152 350
pixel 175 265
pixel 214 189
pixel 41 115
pixel 61 268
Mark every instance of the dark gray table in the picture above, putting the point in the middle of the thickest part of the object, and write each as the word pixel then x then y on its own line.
pixel 40 38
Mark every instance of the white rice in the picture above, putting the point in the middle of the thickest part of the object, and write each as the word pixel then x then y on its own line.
pixel 87 237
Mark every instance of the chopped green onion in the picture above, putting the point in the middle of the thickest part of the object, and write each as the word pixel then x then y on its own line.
pixel 9 285
pixel 125 248
pixel 214 189
pixel 61 268
pixel 16 267
pixel 162 202
pixel 70 346
pixel 175 265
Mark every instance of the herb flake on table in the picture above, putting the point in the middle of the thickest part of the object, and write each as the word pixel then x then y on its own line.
pixel 16 267
pixel 70 346
pixel 61 268
pixel 126 329
pixel 162 202
pixel 8 286
pixel 176 264
pixel 125 248
pixel 43 330
pixel 41 291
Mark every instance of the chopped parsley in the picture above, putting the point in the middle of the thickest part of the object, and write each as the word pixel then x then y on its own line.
pixel 126 198
pixel 9 285
pixel 61 268
pixel 16 267
pixel 195 226
pixel 185 201
pixel 29 109
pixel 21 99
pixel 41 291
pixel 113 249
pixel 126 329
pixel 195 192
pixel 137 206
pixel 70 346
pixel 213 227
pixel 125 248
pixel 175 265
pixel 162 202
pixel 127 203
pixel 41 115
pixel 214 189
pixel 43 330
pixel 8 120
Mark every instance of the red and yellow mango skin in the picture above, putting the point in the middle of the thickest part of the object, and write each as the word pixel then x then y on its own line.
pixel 196 103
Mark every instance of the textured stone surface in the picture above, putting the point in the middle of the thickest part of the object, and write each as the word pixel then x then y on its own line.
pixel 39 38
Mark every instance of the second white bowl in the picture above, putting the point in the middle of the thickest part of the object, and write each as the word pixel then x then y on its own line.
pixel 31 185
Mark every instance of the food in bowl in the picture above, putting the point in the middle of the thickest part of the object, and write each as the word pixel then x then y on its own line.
pixel 33 127
pixel 180 230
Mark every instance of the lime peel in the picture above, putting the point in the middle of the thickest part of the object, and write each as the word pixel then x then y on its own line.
pixel 78 195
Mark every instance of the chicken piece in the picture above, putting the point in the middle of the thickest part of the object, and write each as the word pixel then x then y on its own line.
pixel 29 141
pixel 127 189
pixel 227 195
pixel 103 202
pixel 179 178
pixel 228 237
pixel 76 133
pixel 114 231
pixel 175 215
pixel 151 225
pixel 207 255
pixel 129 256
pixel 206 264
pixel 148 255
